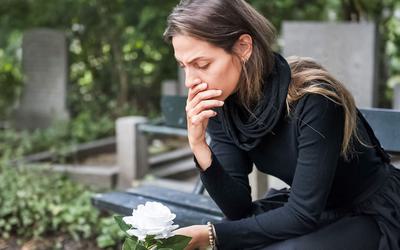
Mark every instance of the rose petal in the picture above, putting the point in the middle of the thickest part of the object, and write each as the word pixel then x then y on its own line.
pixel 128 220
pixel 153 218
pixel 139 234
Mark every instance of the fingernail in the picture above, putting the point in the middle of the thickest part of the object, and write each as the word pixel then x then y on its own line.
pixel 221 103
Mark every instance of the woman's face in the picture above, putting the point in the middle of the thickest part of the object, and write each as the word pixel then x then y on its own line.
pixel 204 62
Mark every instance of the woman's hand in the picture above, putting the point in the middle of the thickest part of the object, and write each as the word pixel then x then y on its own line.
pixel 199 234
pixel 199 106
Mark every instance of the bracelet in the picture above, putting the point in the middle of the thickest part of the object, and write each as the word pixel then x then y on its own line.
pixel 211 236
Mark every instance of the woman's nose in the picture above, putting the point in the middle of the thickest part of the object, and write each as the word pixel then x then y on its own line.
pixel 191 79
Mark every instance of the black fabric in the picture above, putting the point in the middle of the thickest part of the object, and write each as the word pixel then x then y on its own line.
pixel 348 233
pixel 304 152
pixel 384 207
pixel 358 228
pixel 246 134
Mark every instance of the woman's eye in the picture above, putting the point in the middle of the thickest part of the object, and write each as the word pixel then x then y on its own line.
pixel 205 66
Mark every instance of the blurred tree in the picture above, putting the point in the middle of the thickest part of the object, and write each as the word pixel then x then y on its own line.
pixel 117 55
pixel 118 58
pixel 10 73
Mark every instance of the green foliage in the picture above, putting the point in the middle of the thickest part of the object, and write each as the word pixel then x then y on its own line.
pixel 10 73
pixel 121 224
pixel 130 244
pixel 393 35
pixel 109 234
pixel 117 56
pixel 175 242
pixel 116 52
pixel 28 202
pixel 37 203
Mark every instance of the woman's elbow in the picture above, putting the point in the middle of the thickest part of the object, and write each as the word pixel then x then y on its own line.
pixel 238 213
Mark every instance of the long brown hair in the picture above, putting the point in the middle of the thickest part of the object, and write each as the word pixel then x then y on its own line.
pixel 308 76
pixel 222 22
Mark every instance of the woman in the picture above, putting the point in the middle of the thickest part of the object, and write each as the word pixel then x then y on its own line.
pixel 290 118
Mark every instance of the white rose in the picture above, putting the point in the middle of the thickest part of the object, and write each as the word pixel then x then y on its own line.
pixel 153 218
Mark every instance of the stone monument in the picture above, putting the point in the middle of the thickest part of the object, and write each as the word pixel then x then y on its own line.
pixel 396 96
pixel 44 57
pixel 348 50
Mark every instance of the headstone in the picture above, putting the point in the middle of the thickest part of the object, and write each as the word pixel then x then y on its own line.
pixel 182 90
pixel 396 96
pixel 45 69
pixel 169 87
pixel 347 50
pixel 132 150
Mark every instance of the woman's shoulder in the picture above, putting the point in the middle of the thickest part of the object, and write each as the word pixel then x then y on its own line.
pixel 316 104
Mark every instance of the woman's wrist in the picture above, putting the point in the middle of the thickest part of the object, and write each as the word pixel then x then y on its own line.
pixel 197 144
pixel 203 156
pixel 204 240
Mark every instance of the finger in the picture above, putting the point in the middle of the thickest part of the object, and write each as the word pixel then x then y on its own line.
pixel 196 89
pixel 198 119
pixel 203 95
pixel 190 86
pixel 203 105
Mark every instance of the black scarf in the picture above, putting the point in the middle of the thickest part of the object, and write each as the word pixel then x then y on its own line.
pixel 246 131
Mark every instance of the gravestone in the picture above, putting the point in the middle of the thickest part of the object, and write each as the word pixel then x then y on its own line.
pixel 169 87
pixel 347 50
pixel 182 90
pixel 396 96
pixel 44 57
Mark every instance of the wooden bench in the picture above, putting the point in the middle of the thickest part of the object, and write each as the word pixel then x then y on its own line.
pixel 196 208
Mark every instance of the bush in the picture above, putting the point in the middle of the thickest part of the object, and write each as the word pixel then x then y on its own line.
pixel 36 203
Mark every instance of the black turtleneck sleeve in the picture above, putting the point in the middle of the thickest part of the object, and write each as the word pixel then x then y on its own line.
pixel 319 124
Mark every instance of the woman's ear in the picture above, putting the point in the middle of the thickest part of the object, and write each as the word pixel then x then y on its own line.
pixel 244 47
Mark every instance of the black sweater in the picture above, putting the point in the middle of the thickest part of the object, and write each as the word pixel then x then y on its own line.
pixel 304 152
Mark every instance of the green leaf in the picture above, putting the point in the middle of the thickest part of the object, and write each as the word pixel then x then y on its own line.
pixel 129 244
pixel 140 247
pixel 176 242
pixel 104 241
pixel 122 225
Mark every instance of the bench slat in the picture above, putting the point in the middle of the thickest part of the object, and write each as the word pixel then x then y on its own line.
pixel 386 126
pixel 196 202
pixel 202 210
